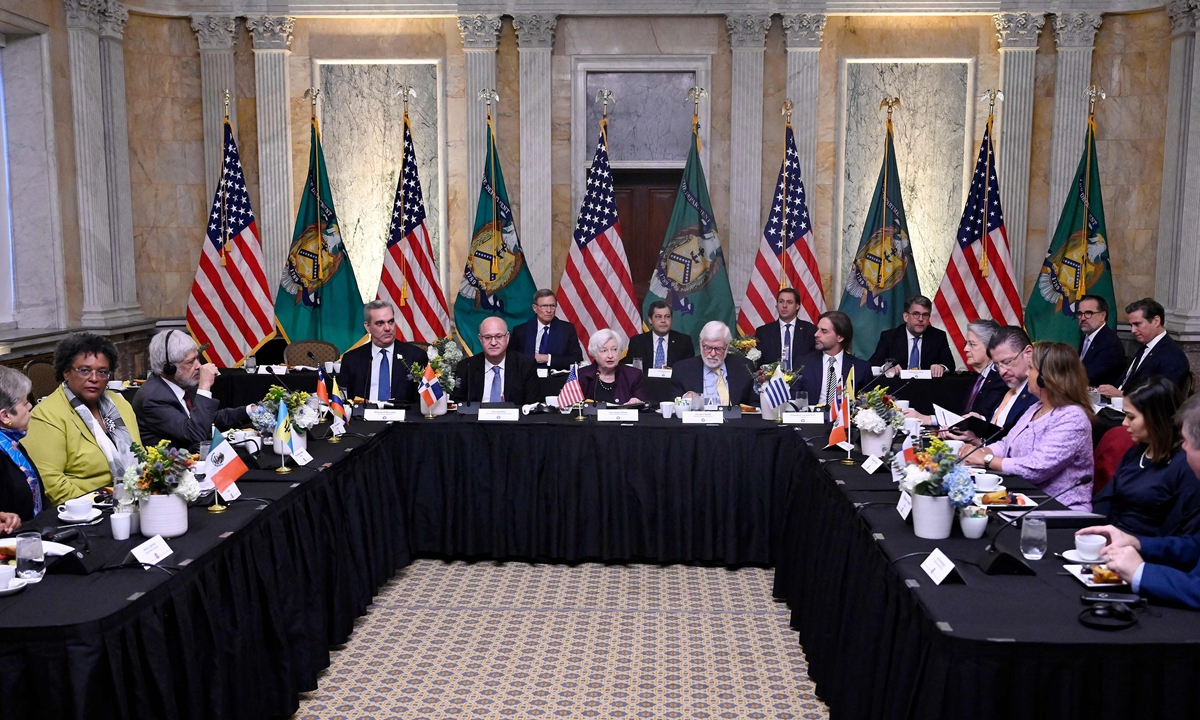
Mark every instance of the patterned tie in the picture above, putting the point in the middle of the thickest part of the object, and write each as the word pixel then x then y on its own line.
pixel 544 346
pixel 974 393
pixel 787 347
pixel 497 385
pixel 1133 366
pixel 385 379
pixel 722 389
pixel 830 381
pixel 660 355
pixel 914 357
pixel 1087 343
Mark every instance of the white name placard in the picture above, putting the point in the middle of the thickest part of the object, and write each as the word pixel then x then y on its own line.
pixel 871 464
pixel 916 375
pixel 804 418
pixel 846 446
pixel 230 493
pixel 384 414
pixel 703 417
pixel 302 457
pixel 543 372
pixel 617 415
pixel 152 551
pixel 937 566
pixel 499 414
pixel 659 373
pixel 904 507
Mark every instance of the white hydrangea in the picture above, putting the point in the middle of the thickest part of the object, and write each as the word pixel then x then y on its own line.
pixel 869 420
pixel 754 354
pixel 305 416
pixel 914 475
pixel 188 488
pixel 432 352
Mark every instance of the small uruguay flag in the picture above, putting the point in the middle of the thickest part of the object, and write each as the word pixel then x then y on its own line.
pixel 776 390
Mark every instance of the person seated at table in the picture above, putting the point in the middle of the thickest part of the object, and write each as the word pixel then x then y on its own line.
pixel 914 345
pixel 496 374
pixel 607 380
pixel 21 490
pixel 551 342
pixel 1051 444
pixel 1159 354
pixel 1012 352
pixel 823 369
pixel 660 347
pixel 176 401
pixel 381 371
pixel 1100 350
pixel 1153 491
pixel 716 373
pixel 1160 568
pixel 989 387
pixel 789 338
pixel 80 434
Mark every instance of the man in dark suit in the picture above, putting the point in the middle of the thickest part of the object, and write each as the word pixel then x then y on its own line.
pixel 716 373
pixel 381 371
pixel 1159 355
pixel 1012 353
pixel 496 374
pixel 662 347
pixel 821 370
pixel 176 401
pixel 1100 351
pixel 788 332
pixel 551 342
pixel 915 345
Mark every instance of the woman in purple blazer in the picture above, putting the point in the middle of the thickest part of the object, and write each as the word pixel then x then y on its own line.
pixel 606 380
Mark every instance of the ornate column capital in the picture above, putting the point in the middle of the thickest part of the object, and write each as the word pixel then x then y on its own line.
pixel 479 32
pixel 215 32
pixel 1076 29
pixel 1018 29
pixel 113 16
pixel 534 30
pixel 271 32
pixel 84 13
pixel 748 30
pixel 804 30
pixel 1182 14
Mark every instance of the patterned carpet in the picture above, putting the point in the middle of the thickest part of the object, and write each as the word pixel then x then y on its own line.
pixel 513 640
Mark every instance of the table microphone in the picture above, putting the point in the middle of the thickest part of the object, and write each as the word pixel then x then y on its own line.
pixel 994 561
pixel 271 369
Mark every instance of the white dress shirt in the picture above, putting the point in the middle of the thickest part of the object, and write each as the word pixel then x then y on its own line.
pixel 837 370
pixel 488 375
pixel 1149 346
pixel 377 353
pixel 710 380
pixel 180 393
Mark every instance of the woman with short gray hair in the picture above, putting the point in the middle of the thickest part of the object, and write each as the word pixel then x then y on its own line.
pixel 607 380
pixel 21 490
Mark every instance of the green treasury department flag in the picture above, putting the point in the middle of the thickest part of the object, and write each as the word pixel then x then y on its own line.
pixel 690 274
pixel 496 280
pixel 882 275
pixel 318 295
pixel 1077 262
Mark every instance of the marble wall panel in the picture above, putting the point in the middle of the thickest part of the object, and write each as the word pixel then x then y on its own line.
pixel 652 118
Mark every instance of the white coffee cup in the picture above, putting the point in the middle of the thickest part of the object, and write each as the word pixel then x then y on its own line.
pixel 903 404
pixel 120 525
pixel 76 508
pixel 986 482
pixel 666 408
pixel 1089 546
pixel 328 368
pixel 337 366
pixel 912 426
pixel 954 445
pixel 1118 404
pixel 239 436
pixel 7 574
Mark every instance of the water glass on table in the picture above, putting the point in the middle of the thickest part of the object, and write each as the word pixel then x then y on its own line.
pixel 251 363
pixel 801 400
pixel 31 562
pixel 1033 537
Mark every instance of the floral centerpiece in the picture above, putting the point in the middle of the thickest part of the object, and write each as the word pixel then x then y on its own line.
pixel 444 355
pixel 302 409
pixel 938 483
pixel 747 348
pixel 877 416
pixel 763 376
pixel 164 484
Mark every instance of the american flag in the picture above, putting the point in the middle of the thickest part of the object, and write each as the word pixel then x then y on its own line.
pixel 789 216
pixel 230 305
pixel 596 290
pixel 571 394
pixel 410 277
pixel 979 277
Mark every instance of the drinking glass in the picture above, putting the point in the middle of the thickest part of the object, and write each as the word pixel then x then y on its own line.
pixel 801 400
pixel 637 363
pixel 251 363
pixel 1033 537
pixel 712 402
pixel 31 563
pixel 1093 396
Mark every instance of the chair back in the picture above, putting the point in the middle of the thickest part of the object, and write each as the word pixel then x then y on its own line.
pixel 41 373
pixel 1113 446
pixel 297 352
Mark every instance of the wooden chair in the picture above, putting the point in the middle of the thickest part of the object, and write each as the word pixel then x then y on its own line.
pixel 297 352
pixel 41 373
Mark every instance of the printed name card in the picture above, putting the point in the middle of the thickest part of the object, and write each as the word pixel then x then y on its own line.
pixel 499 414
pixel 384 414
pixel 230 493
pixel 904 507
pixel 302 457
pixel 937 566
pixel 916 375
pixel 152 551
pixel 664 373
pixel 703 417
pixel 804 418
pixel 871 464
pixel 846 446
pixel 543 372
pixel 617 415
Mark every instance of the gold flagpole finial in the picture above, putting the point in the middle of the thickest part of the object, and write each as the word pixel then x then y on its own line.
pixel 695 93
pixel 891 103
pixel 604 95
pixel 992 96
pixel 225 96
pixel 1094 93
pixel 312 94
pixel 406 91
pixel 787 110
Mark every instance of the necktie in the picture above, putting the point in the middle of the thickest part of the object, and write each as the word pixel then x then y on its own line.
pixel 787 346
pixel 914 357
pixel 722 388
pixel 1133 366
pixel 385 379
pixel 830 374
pixel 187 400
pixel 974 393
pixel 497 385
pixel 660 355
pixel 1087 343
pixel 544 345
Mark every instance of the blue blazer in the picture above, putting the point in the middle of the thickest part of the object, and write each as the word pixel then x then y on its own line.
pixel 814 371
pixel 563 343
pixel 1166 359
pixel 1172 571
pixel 1105 359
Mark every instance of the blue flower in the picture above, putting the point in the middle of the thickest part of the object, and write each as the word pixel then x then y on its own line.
pixel 959 486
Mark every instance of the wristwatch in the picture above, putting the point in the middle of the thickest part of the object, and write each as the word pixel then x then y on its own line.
pixel 987 461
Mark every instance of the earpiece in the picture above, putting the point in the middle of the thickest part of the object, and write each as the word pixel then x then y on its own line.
pixel 168 368
pixel 1041 383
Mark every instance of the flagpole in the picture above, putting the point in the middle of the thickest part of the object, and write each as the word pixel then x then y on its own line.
pixel 405 91
pixel 216 508
pixel 890 103
pixel 991 96
pixel 694 94
pixel 783 256
pixel 313 93
pixel 489 94
pixel 1092 93
pixel 224 187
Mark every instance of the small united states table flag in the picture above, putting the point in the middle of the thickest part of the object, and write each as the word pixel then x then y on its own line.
pixel 230 305
pixel 572 393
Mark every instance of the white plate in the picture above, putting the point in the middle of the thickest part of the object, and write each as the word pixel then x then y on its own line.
pixel 1087 579
pixel 1074 556
pixel 1028 505
pixel 48 548
pixel 95 513
pixel 16 586
pixel 980 493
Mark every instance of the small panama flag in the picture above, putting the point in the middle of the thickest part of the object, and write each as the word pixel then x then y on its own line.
pixel 338 407
pixel 224 467
pixel 430 387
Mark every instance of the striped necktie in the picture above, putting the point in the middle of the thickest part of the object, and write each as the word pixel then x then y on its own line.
pixel 830 381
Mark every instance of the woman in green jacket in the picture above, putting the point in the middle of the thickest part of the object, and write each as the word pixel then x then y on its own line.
pixel 80 436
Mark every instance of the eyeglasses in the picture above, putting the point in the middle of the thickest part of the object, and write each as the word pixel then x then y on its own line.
pixel 919 315
pixel 85 373
pixel 543 306
pixel 1088 314
pixel 493 338
pixel 713 349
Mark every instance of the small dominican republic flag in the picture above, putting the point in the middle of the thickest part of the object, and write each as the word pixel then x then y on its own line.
pixel 322 389
pixel 224 466
pixel 776 390
pixel 430 388
pixel 572 393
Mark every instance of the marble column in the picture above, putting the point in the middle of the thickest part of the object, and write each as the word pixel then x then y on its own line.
pixel 535 39
pixel 803 32
pixel 1075 35
pixel 217 35
pixel 1177 284
pixel 1018 33
pixel 747 38
pixel 272 41
pixel 480 34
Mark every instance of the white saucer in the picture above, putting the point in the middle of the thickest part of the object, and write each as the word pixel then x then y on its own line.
pixel 1074 556
pixel 95 513
pixel 16 586
pixel 981 493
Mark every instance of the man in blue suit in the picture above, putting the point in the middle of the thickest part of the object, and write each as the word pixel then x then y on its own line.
pixel 549 341
pixel 1160 355
pixel 830 361
pixel 1100 350
pixel 1167 568
pixel 1012 353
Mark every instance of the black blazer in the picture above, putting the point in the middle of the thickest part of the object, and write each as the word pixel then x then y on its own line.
pixel 355 379
pixel 989 396
pixel 935 349
pixel 679 347
pixel 1105 359
pixel 1166 359
pixel 771 345
pixel 814 372
pixel 161 416
pixel 688 376
pixel 563 342
pixel 520 379
pixel 15 496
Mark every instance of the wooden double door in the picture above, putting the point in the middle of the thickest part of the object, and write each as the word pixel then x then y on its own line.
pixel 645 200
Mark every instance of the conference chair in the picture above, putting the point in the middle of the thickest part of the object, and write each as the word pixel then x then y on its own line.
pixel 40 371
pixel 297 352
pixel 1113 446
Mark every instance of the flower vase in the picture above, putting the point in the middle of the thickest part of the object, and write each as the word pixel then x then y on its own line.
pixel 164 515
pixel 932 516
pixel 876 443
pixel 438 408
pixel 764 404
pixel 299 442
